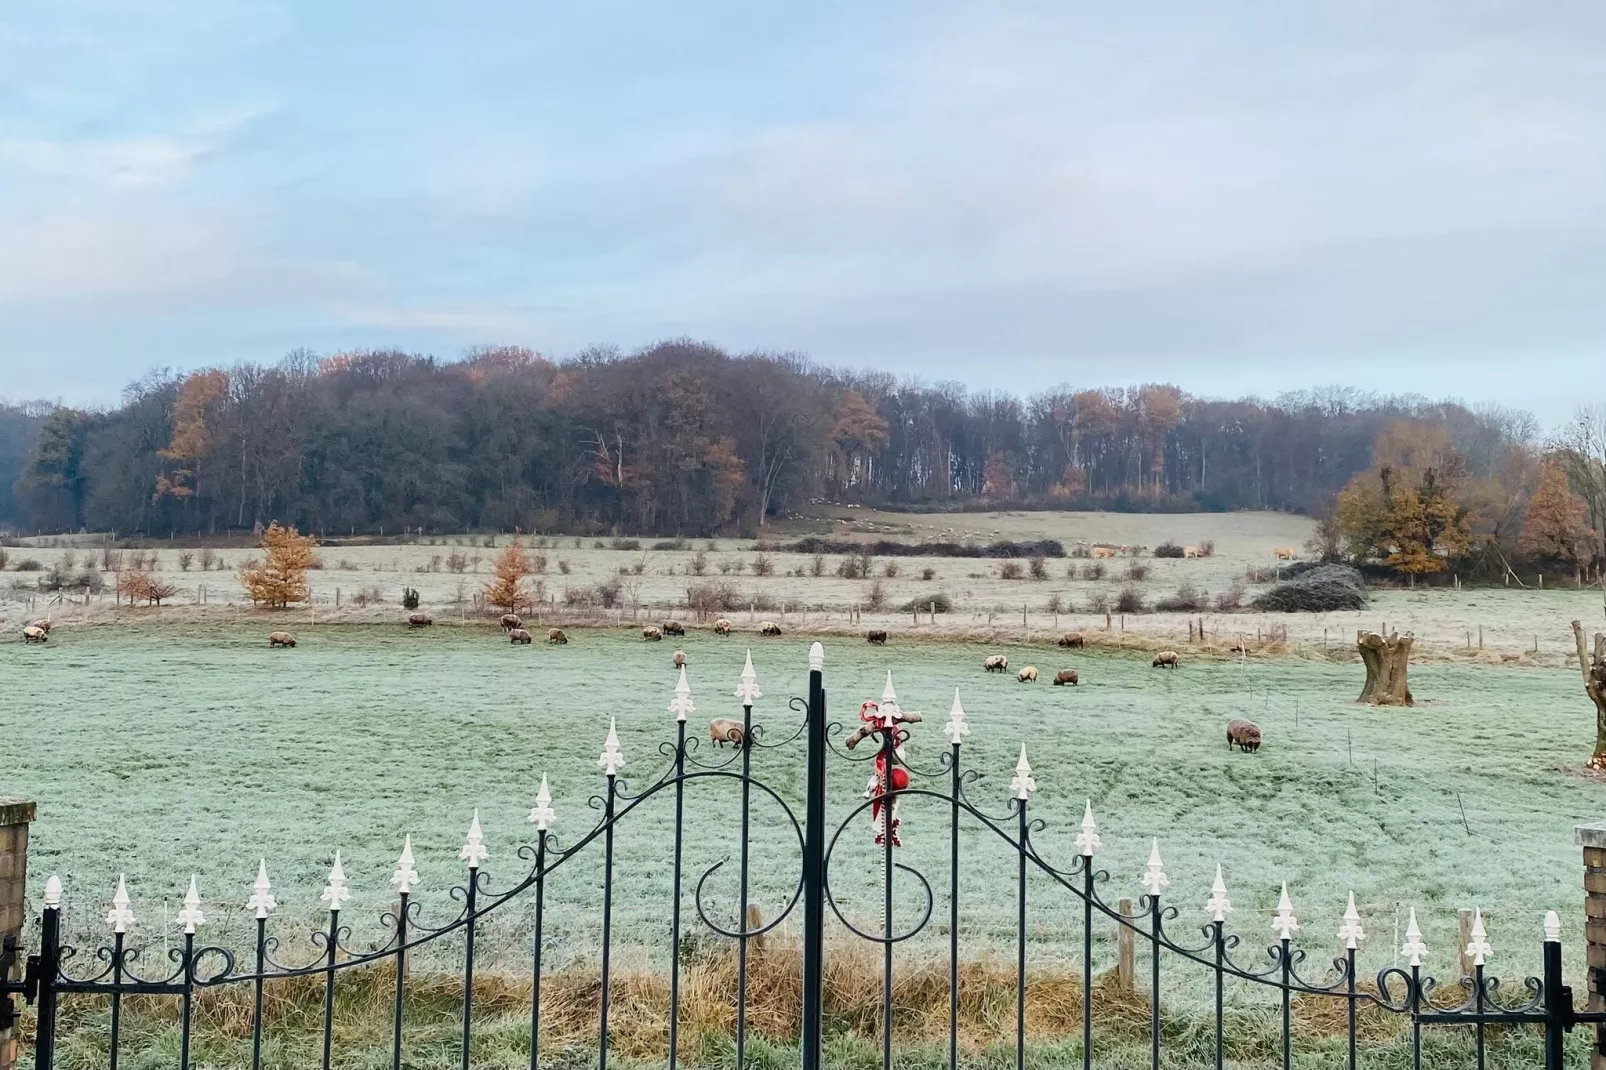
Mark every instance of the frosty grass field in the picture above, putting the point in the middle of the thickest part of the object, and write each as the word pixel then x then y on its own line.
pixel 161 751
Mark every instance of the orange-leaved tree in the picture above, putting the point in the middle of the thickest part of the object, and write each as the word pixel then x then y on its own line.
pixel 508 590
pixel 1553 525
pixel 280 578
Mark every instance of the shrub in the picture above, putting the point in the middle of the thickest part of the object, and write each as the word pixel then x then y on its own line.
pixel 456 562
pixel 563 565
pixel 186 558
pixel 877 599
pixel 671 544
pixel 1186 599
pixel 1231 598
pixel 580 596
pixel 854 567
pixel 1207 548
pixel 1168 549
pixel 625 544
pixel 724 568
pixel 890 570
pixel 537 562
pixel 207 560
pixel 409 597
pixel 1010 570
pixel 1137 572
pixel 28 564
pixel 713 597
pixel 763 565
pixel 1094 570
pixel 1100 602
pixel 608 592
pixel 369 596
pixel 1323 589
pixel 1130 600
pixel 699 563
pixel 923 604
pixel 1053 605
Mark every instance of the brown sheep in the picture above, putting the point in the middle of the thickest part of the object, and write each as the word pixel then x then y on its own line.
pixel 1100 552
pixel 996 663
pixel 769 628
pixel 674 627
pixel 43 624
pixel 722 627
pixel 679 658
pixel 878 636
pixel 519 635
pixel 1283 553
pixel 1237 647
pixel 652 634
pixel 1165 659
pixel 511 621
pixel 723 730
pixel 1065 676
pixel 281 639
pixel 1246 734
pixel 1028 675
pixel 1073 639
pixel 419 620
pixel 34 634
pixel 556 636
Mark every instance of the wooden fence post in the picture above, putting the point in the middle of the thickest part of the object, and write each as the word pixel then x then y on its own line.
pixel 1463 961
pixel 1592 838
pixel 1126 974
pixel 15 817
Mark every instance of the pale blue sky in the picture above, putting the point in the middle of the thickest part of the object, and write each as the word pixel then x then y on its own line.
pixel 1241 197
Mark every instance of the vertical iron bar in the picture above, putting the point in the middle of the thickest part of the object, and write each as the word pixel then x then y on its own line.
pixel 674 924
pixel 607 922
pixel 1557 1003
pixel 888 735
pixel 814 874
pixel 117 996
pixel 186 1002
pixel 1477 995
pixel 1350 968
pixel 1416 1018
pixel 49 963
pixel 1087 962
pixel 256 1006
pixel 1221 955
pixel 953 910
pixel 1287 971
pixel 1154 982
pixel 535 955
pixel 329 985
pixel 741 925
pixel 1020 936
pixel 468 961
pixel 401 982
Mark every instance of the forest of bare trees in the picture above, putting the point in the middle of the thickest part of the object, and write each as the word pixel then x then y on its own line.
pixel 679 438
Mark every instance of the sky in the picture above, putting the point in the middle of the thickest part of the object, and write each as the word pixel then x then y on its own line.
pixel 1240 198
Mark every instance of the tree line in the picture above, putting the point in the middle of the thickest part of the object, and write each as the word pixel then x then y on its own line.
pixel 677 438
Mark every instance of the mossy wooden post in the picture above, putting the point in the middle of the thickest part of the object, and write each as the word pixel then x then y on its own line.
pixel 15 817
pixel 1126 972
pixel 1386 659
pixel 1592 663
pixel 1592 838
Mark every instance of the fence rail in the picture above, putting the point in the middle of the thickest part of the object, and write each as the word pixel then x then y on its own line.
pixel 117 971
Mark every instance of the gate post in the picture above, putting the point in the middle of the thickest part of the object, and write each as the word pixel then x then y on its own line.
pixel 15 816
pixel 813 867
pixel 1592 838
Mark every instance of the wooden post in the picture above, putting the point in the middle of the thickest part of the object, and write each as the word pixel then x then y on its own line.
pixel 1126 974
pixel 1592 838
pixel 934 612
pixel 1463 919
pixel 15 817
pixel 1480 637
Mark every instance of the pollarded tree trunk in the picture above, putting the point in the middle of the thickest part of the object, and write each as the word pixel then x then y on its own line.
pixel 1593 666
pixel 1386 659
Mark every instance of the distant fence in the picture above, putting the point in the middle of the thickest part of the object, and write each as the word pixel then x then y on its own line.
pixel 116 971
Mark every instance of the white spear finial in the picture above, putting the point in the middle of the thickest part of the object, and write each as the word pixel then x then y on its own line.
pixel 1022 783
pixel 406 875
pixel 681 705
pixel 189 914
pixel 542 814
pixel 1154 878
pixel 1285 924
pixel 335 892
pixel 816 657
pixel 1413 948
pixel 889 697
pixel 747 687
pixel 1552 927
pixel 1087 841
pixel 120 917
pixel 1218 904
pixel 53 893
pixel 1350 931
pixel 611 758
pixel 262 900
pixel 1478 948
pixel 474 851
pixel 956 728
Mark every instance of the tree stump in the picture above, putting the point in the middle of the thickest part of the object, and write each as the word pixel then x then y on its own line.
pixel 1386 659
pixel 1593 665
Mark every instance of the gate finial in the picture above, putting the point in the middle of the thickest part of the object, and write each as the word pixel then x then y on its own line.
pixel 120 917
pixel 1552 927
pixel 53 893
pixel 747 687
pixel 681 705
pixel 1413 948
pixel 474 851
pixel 1478 948
pixel 406 875
pixel 611 758
pixel 956 726
pixel 542 814
pixel 1285 924
pixel 190 915
pixel 1154 877
pixel 1218 904
pixel 262 900
pixel 1350 931
pixel 816 657
pixel 336 891
pixel 1023 784
pixel 1087 841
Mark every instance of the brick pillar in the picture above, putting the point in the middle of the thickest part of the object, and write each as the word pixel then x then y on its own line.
pixel 15 816
pixel 1592 838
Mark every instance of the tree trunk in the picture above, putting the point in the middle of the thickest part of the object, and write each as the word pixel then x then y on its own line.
pixel 1386 660
pixel 1593 666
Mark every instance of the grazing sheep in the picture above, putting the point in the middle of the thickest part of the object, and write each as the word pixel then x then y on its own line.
pixel 34 634
pixel 1237 647
pixel 1073 639
pixel 723 730
pixel 1283 553
pixel 769 628
pixel 556 636
pixel 1166 659
pixel 1065 676
pixel 674 627
pixel 419 620
pixel 1192 551
pixel 878 636
pixel 995 663
pixel 518 635
pixel 511 621
pixel 1027 675
pixel 679 658
pixel 652 634
pixel 722 627
pixel 43 624
pixel 1244 733
pixel 281 639
pixel 1100 552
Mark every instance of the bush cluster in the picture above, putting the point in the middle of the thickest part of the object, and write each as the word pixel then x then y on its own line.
pixel 1321 589
pixel 887 548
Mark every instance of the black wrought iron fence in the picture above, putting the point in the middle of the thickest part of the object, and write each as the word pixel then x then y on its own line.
pixel 117 971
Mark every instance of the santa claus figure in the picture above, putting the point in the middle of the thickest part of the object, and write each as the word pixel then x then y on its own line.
pixel 887 776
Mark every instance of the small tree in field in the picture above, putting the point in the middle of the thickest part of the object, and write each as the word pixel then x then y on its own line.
pixel 508 590
pixel 280 578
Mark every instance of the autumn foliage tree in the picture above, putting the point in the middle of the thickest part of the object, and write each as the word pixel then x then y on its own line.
pixel 279 579
pixel 508 590
pixel 194 435
pixel 1409 514
pixel 1553 525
